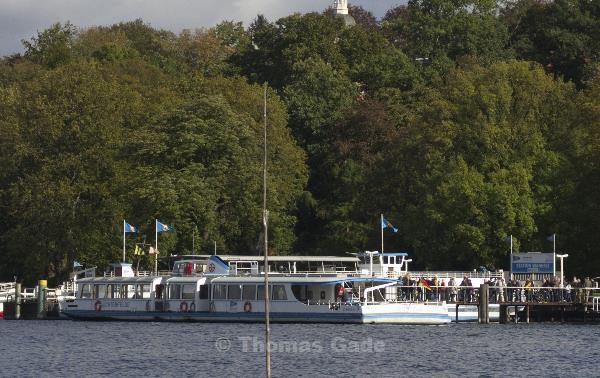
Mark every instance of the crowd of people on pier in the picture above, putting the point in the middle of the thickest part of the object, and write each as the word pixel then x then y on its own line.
pixel 500 291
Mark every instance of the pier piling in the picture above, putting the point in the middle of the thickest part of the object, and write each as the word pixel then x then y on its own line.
pixel 17 301
pixel 484 301
pixel 41 299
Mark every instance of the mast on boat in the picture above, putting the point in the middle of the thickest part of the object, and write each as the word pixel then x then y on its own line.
pixel 266 247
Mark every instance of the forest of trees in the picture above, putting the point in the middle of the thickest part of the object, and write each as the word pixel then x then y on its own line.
pixel 462 121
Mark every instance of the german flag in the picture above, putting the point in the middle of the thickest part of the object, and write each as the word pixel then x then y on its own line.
pixel 423 283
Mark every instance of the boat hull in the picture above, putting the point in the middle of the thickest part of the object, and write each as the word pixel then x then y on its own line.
pixel 391 314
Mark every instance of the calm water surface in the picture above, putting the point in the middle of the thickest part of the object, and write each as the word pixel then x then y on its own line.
pixel 121 349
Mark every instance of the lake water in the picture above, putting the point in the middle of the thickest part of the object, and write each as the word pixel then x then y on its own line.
pixel 132 349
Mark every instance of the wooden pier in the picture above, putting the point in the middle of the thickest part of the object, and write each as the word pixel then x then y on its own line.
pixel 548 312
pixel 548 305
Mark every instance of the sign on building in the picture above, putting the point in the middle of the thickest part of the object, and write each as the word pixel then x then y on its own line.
pixel 532 262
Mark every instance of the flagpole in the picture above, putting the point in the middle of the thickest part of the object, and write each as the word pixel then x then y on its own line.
pixel 123 240
pixel 554 254
pixel 381 226
pixel 156 247
pixel 511 253
pixel 266 247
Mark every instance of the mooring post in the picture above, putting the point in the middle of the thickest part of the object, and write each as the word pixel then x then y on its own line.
pixel 41 299
pixel 17 301
pixel 484 317
pixel 456 309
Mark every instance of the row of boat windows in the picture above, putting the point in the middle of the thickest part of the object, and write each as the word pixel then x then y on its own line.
pixel 181 291
pixel 248 292
pixel 114 291
pixel 222 291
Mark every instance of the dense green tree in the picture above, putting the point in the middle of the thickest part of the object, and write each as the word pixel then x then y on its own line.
pixel 53 46
pixel 563 35
pixel 421 118
pixel 63 136
pixel 484 162
pixel 276 48
pixel 440 32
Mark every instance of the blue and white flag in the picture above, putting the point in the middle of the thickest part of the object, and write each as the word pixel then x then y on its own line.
pixel 385 223
pixel 551 238
pixel 129 228
pixel 160 227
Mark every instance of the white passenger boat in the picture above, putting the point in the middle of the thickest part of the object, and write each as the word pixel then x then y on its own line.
pixel 7 293
pixel 210 290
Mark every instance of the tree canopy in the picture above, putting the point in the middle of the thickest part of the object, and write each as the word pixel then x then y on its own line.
pixel 463 122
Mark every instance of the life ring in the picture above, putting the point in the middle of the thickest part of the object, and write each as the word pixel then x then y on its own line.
pixel 192 307
pixel 212 306
pixel 183 307
pixel 98 306
pixel 211 267
pixel 247 307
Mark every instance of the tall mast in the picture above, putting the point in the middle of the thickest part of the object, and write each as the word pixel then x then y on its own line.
pixel 266 248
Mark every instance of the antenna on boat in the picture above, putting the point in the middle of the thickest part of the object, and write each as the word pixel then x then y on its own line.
pixel 266 248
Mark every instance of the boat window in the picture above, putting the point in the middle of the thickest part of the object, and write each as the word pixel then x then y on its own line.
pixel 125 292
pixel 249 292
pixel 99 291
pixel 260 292
pixel 219 292
pixel 138 292
pixel 203 292
pixel 299 292
pixel 108 291
pixel 279 293
pixel 158 289
pixel 116 291
pixel 174 291
pixel 188 291
pixel 234 292
pixel 86 291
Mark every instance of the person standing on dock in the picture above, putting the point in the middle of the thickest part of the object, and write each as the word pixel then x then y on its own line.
pixel 587 284
pixel 443 292
pixel 528 289
pixel 435 283
pixel 452 289
pixel 500 292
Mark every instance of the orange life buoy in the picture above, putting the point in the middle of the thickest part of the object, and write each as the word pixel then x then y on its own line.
pixel 183 307
pixel 247 307
pixel 211 267
pixel 98 306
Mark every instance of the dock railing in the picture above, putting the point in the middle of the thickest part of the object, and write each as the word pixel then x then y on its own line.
pixel 511 295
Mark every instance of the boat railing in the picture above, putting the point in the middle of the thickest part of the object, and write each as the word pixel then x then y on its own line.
pixel 392 292
pixel 7 288
pixel 331 270
pixel 446 275
pixel 586 296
